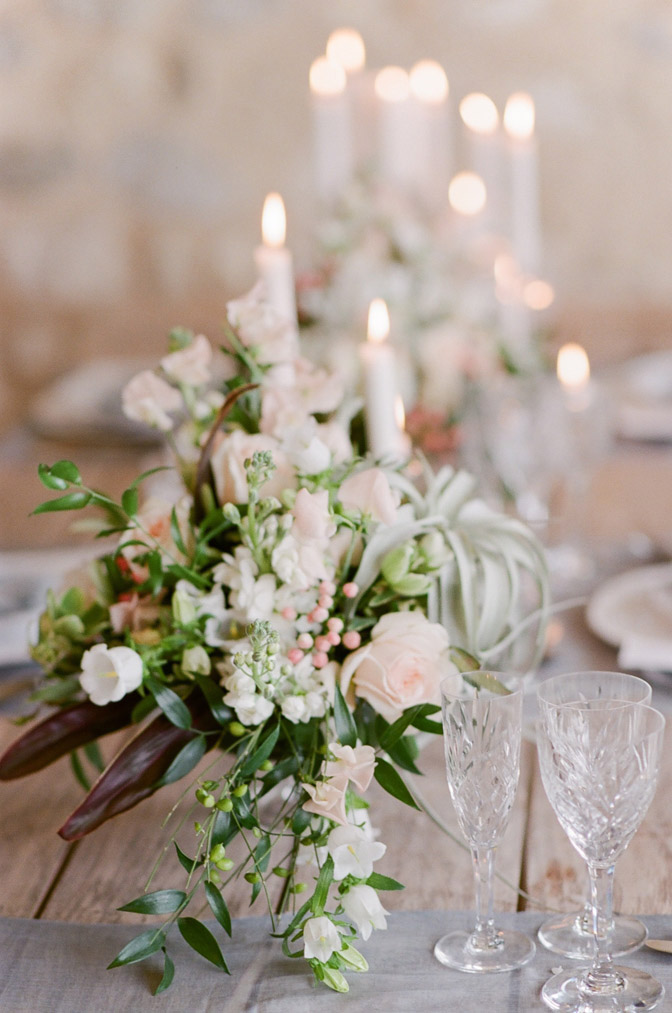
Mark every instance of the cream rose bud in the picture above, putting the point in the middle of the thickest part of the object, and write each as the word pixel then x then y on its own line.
pixel 362 904
pixel 149 399
pixel 109 673
pixel 190 365
pixel 320 939
pixel 402 665
pixel 369 492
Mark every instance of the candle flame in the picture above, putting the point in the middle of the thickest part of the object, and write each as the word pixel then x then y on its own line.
pixel 399 412
pixel 467 194
pixel 428 82
pixel 392 84
pixel 573 367
pixel 519 116
pixel 327 77
pixel 346 47
pixel 273 221
pixel 479 113
pixel 379 322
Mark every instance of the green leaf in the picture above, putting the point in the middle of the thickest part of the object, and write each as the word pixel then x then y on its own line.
pixel 424 724
pixel 71 501
pixel 379 882
pixel 157 903
pixel 244 814
pixel 300 821
pixel 324 881
pixel 188 864
pixel 345 724
pixel 202 940
pixel 218 907
pixel 404 753
pixel 129 501
pixel 49 480
pixel 172 706
pixel 186 760
pixel 175 532
pixel 487 681
pixel 260 754
pixel 68 471
pixel 285 768
pixel 393 732
pixel 224 828
pixel 139 948
pixel 215 699
pixel 389 779
pixel 155 566
pixel 93 755
pixel 262 853
pixel 168 974
pixel 78 771
pixel 463 661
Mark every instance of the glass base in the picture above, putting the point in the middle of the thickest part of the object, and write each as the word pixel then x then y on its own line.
pixel 457 950
pixel 571 935
pixel 638 991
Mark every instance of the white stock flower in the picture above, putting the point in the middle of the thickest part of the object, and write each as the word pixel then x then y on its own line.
pixel 353 852
pixel 109 673
pixel 320 939
pixel 294 708
pixel 305 449
pixel 362 904
pixel 286 563
pixel 190 365
pixel 250 708
pixel 147 398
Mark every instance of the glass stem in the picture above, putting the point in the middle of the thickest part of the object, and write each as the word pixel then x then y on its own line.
pixel 601 978
pixel 484 934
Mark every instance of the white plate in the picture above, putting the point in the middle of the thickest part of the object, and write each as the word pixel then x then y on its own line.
pixel 642 390
pixel 636 603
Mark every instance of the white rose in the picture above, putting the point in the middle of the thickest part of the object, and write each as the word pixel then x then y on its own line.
pixel 362 904
pixel 147 398
pixel 109 673
pixel 190 365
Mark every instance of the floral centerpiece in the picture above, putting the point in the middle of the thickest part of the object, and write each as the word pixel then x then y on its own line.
pixel 278 603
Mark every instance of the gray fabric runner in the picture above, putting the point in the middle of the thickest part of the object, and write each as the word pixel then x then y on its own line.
pixel 58 967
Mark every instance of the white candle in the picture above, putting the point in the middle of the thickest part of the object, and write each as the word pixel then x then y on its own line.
pixel 395 125
pixel 346 47
pixel 429 90
pixel 274 260
pixel 467 197
pixel 380 384
pixel 514 311
pixel 332 128
pixel 525 226
pixel 481 120
pixel 573 370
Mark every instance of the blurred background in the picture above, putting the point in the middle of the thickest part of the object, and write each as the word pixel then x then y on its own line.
pixel 138 139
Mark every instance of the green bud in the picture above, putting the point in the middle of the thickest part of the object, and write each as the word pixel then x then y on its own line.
pixel 237 729
pixel 184 611
pixel 353 958
pixel 210 785
pixel 231 513
pixel 282 873
pixel 69 626
pixel 252 877
pixel 334 979
pixel 266 765
pixel 257 833
pixel 413 584
pixel 225 864
pixel 217 853
pixel 240 790
pixel 397 563
pixel 205 798
pixel 198 827
pixel 196 661
pixel 225 805
pixel 299 888
pixel 214 876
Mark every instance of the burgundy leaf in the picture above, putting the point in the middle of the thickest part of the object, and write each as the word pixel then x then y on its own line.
pixel 134 772
pixel 61 732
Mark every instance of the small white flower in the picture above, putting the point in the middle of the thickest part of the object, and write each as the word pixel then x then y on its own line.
pixel 353 852
pixel 109 673
pixel 320 939
pixel 190 365
pixel 147 398
pixel 250 708
pixel 294 708
pixel 362 904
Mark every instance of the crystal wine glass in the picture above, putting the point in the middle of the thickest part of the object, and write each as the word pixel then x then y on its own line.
pixel 482 728
pixel 572 934
pixel 599 764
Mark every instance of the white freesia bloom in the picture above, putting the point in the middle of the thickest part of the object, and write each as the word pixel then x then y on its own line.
pixel 320 939
pixel 353 852
pixel 190 365
pixel 362 904
pixel 109 673
pixel 147 398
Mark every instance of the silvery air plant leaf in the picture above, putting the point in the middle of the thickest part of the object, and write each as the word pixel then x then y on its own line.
pixel 280 604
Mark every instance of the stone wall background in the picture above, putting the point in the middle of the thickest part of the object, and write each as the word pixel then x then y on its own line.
pixel 139 137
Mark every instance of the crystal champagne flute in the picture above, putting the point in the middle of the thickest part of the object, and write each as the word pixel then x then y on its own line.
pixel 482 729
pixel 572 934
pixel 599 765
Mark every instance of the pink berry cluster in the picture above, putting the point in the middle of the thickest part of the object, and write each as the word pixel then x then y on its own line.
pixel 332 627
